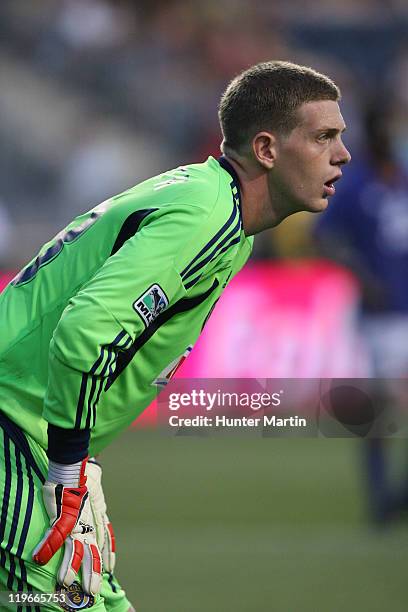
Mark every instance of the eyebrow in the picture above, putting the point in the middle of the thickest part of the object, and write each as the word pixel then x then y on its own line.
pixel 331 131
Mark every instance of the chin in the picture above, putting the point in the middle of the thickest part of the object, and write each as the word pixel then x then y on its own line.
pixel 317 206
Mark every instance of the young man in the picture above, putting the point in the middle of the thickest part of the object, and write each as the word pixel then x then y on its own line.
pixel 95 322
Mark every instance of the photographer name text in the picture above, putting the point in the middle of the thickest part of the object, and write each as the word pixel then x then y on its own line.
pixel 225 421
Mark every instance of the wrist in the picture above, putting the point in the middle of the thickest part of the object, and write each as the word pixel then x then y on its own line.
pixel 69 475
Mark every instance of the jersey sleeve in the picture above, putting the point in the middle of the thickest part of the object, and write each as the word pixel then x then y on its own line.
pixel 111 310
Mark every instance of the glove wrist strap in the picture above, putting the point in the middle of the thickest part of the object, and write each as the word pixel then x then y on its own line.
pixel 69 475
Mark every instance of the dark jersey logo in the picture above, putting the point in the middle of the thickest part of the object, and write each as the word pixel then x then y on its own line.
pixel 151 304
pixel 75 598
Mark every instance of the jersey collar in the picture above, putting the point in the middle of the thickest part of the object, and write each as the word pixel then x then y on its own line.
pixel 224 163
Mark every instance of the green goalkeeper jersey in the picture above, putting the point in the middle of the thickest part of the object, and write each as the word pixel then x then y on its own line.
pixel 100 318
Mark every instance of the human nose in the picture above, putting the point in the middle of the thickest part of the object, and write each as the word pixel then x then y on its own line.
pixel 342 155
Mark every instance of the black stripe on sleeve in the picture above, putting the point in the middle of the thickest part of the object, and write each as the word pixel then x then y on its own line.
pixel 236 196
pixel 90 375
pixel 94 382
pixel 213 240
pixel 195 280
pixel 16 434
pixel 235 241
pixel 28 513
pixel 23 574
pixel 81 399
pixel 216 251
pixel 17 501
pixel 6 494
pixel 192 282
pixel 112 365
pixel 130 227
pixel 11 572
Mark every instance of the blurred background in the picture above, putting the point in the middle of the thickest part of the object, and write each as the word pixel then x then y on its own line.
pixel 97 95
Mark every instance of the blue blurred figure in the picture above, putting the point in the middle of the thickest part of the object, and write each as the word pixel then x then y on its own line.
pixel 366 228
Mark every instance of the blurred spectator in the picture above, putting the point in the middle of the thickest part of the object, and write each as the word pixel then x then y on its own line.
pixel 85 24
pixel 105 160
pixel 366 228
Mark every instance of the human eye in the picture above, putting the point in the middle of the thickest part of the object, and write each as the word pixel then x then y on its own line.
pixel 324 137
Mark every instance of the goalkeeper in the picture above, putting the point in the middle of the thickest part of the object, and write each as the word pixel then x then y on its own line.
pixel 91 325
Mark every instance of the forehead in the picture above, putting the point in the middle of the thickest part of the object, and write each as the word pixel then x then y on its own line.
pixel 319 115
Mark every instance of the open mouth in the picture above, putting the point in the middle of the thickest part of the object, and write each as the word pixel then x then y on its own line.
pixel 329 188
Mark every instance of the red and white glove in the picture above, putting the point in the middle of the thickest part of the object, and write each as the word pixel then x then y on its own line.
pixel 71 526
pixel 105 536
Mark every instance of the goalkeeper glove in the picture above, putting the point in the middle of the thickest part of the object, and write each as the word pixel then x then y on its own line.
pixel 66 501
pixel 104 531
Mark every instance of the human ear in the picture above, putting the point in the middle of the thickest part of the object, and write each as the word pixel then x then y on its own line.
pixel 264 149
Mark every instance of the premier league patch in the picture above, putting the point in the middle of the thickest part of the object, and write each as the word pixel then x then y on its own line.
pixel 75 598
pixel 151 304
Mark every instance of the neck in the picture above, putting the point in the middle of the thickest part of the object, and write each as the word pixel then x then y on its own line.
pixel 258 211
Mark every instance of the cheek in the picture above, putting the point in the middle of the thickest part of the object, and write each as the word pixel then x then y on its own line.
pixel 302 162
pixel 309 169
pixel 295 169
pixel 299 173
pixel 301 176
